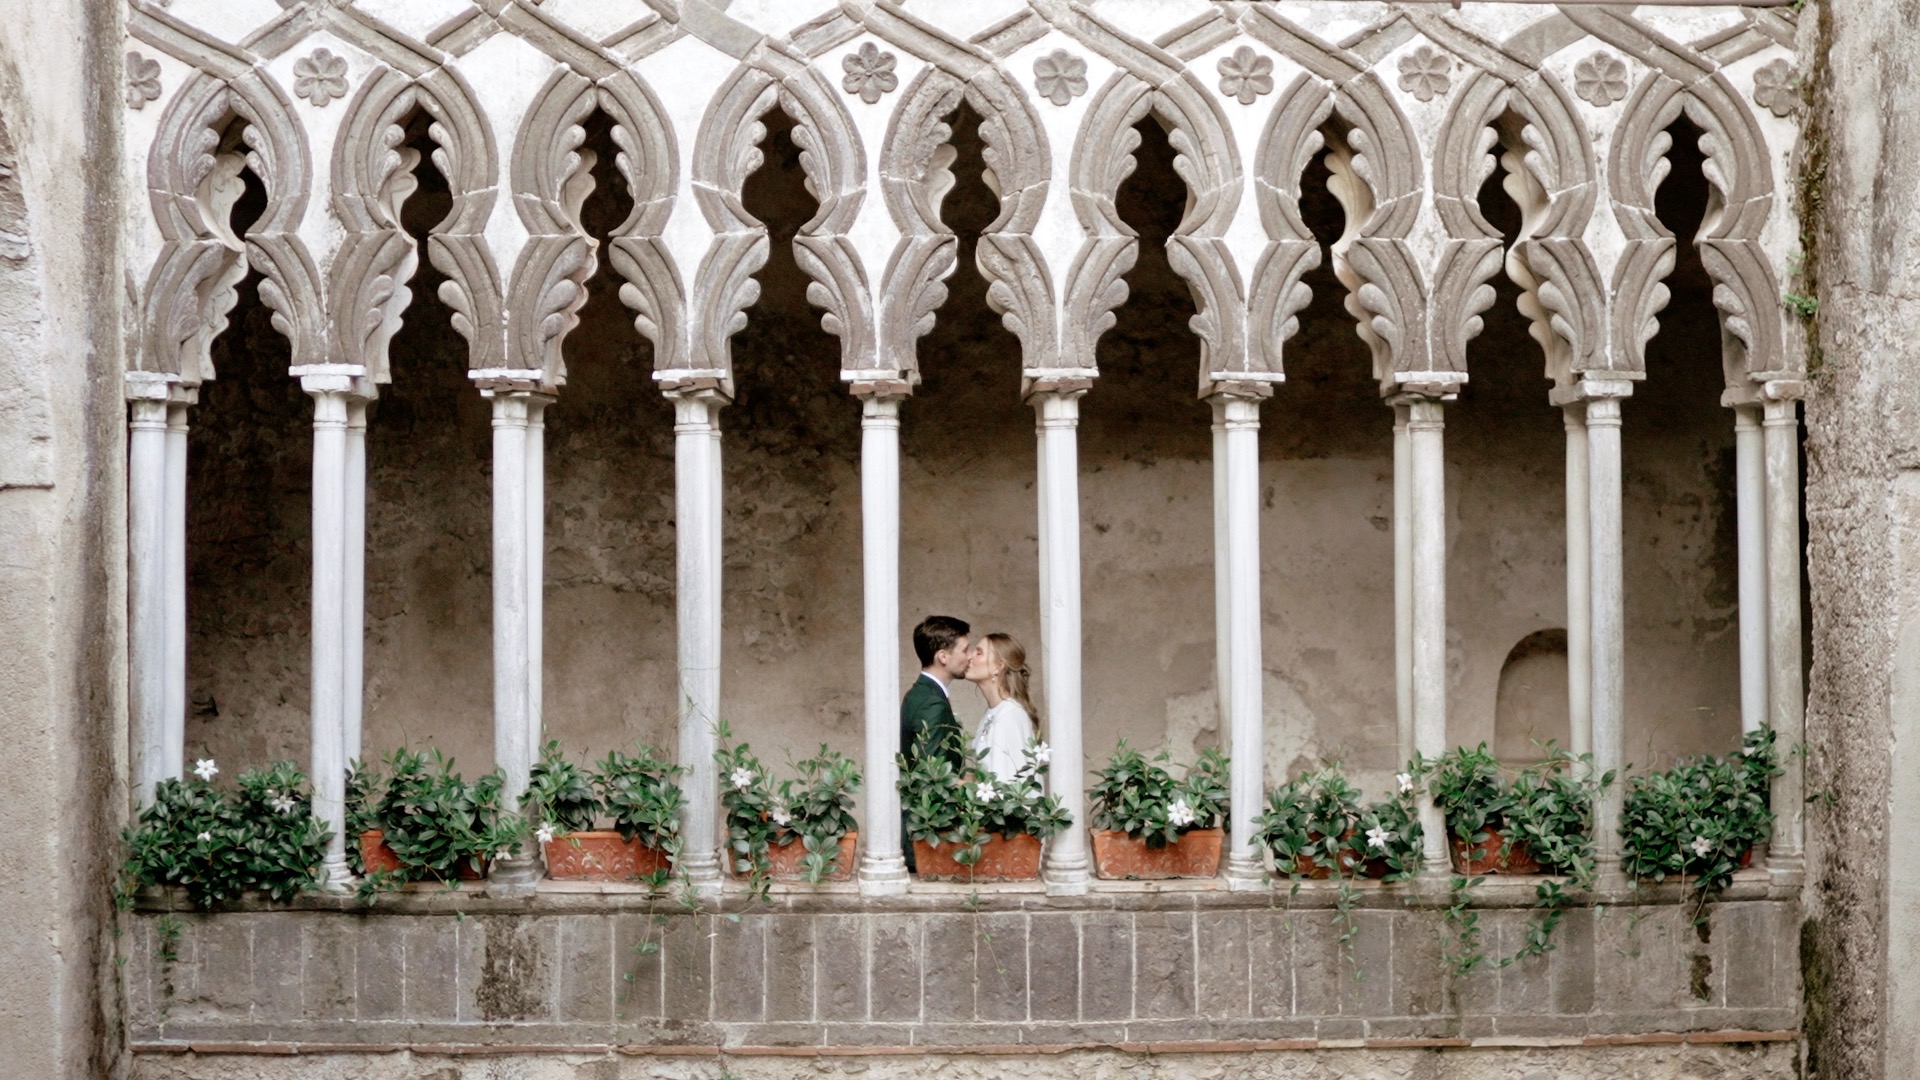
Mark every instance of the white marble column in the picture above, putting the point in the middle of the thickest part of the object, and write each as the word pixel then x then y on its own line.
pixel 1607 596
pixel 1750 487
pixel 1579 580
pixel 1057 411
pixel 1426 448
pixel 883 864
pixel 697 513
pixel 354 590
pixel 1780 421
pixel 513 751
pixel 330 392
pixel 1222 630
pixel 1403 583
pixel 1246 862
pixel 536 551
pixel 173 747
pixel 146 582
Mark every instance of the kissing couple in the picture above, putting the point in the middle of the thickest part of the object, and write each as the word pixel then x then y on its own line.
pixel 997 665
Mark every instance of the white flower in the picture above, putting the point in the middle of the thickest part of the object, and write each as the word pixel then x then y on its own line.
pixel 1702 846
pixel 544 833
pixel 1378 838
pixel 1405 780
pixel 284 803
pixel 742 779
pixel 780 816
pixel 503 854
pixel 205 837
pixel 1042 753
pixel 984 791
pixel 205 769
pixel 1180 814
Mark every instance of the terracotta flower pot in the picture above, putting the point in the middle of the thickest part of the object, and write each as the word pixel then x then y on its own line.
pixel 786 862
pixel 1313 869
pixel 601 855
pixel 1001 859
pixel 1494 855
pixel 1119 857
pixel 376 857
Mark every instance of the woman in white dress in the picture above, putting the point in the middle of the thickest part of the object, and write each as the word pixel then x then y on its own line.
pixel 998 666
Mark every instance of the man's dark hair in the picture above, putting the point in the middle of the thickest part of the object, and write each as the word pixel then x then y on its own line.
pixel 935 633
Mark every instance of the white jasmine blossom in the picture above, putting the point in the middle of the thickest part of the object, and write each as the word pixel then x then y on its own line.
pixel 284 803
pixel 1378 838
pixel 1180 814
pixel 742 779
pixel 205 769
pixel 502 854
pixel 544 833
pixel 1405 780
pixel 1042 753
pixel 1702 846
pixel 985 792
pixel 205 837
pixel 780 816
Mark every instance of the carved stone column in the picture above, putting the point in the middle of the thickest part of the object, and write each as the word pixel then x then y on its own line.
pixel 354 589
pixel 536 568
pixel 697 513
pixel 173 718
pixel 1786 704
pixel 883 864
pixel 148 407
pixel 1403 583
pixel 1579 583
pixel 515 402
pixel 1222 630
pixel 331 386
pixel 1426 455
pixel 1056 405
pixel 1239 411
pixel 1750 487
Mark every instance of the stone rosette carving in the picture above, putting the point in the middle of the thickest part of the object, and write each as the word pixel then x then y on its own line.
pixel 1426 74
pixel 1600 79
pixel 869 73
pixel 1060 76
pixel 1776 88
pixel 143 80
pixel 320 77
pixel 1246 75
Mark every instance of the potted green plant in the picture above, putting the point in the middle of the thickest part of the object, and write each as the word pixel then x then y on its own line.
pixel 967 825
pixel 641 793
pixel 1701 819
pixel 1147 825
pixel 801 829
pixel 260 837
pixel 426 821
pixel 1316 828
pixel 1540 821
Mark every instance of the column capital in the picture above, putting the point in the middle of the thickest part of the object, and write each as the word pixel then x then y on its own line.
pixel 1244 389
pixel 1234 412
pixel 1423 411
pixel 151 385
pixel 1780 412
pixel 1440 385
pixel 1595 386
pixel 882 384
pixel 1056 382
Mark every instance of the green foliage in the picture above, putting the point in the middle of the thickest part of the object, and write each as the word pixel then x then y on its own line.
pixel 1319 816
pixel 1701 816
pixel 1141 798
pixel 1804 306
pixel 262 836
pixel 559 793
pixel 434 820
pixel 814 808
pixel 641 792
pixel 966 806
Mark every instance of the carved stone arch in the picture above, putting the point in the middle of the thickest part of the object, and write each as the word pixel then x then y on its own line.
pixel 373 176
pixel 726 152
pixel 1205 157
pixel 551 180
pixel 193 180
pixel 1289 143
pixel 1375 165
pixel 1551 161
pixel 1474 250
pixel 1740 197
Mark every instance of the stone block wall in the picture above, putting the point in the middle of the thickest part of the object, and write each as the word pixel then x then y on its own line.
pixel 585 972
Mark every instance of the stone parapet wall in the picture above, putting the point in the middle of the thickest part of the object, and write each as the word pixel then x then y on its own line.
pixel 596 972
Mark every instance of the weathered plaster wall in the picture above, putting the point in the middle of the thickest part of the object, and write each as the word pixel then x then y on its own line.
pixel 792 615
pixel 61 598
pixel 1862 178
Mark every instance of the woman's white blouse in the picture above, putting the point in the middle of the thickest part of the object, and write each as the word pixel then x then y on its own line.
pixel 1001 742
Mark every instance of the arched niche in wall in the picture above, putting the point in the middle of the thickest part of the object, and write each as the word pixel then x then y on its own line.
pixel 1530 706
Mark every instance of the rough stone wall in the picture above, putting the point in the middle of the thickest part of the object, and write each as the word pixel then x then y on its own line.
pixel 1861 178
pixel 792 609
pixel 61 577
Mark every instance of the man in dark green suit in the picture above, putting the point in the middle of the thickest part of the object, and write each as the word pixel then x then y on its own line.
pixel 926 715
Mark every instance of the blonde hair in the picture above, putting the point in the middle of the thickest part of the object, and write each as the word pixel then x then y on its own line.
pixel 1014 678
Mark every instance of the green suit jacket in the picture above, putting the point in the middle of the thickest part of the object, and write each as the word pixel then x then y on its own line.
pixel 927 713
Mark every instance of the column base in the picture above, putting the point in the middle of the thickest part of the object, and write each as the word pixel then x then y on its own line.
pixel 513 877
pixel 1786 871
pixel 702 876
pixel 1246 874
pixel 1067 879
pixel 884 876
pixel 336 878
